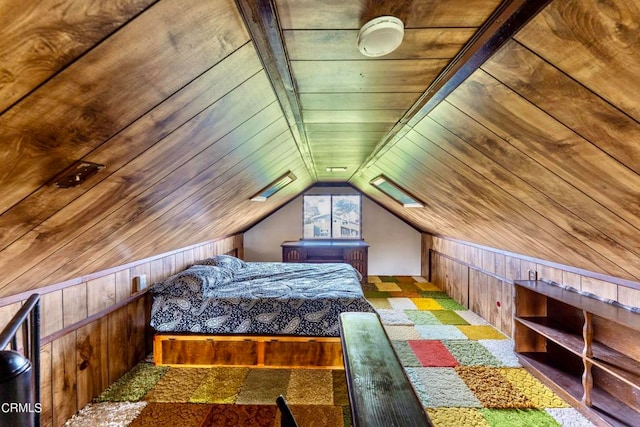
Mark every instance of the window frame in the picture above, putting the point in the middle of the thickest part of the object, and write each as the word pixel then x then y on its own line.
pixel 331 196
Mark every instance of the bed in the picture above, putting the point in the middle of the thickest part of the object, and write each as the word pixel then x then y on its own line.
pixel 225 311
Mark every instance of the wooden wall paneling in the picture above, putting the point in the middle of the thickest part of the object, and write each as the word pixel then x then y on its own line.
pixel 571 279
pixel 156 270
pixel 46 385
pixel 137 322
pixel 101 293
pixel 92 353
pixel 63 378
pixel 493 304
pixel 67 30
pixel 500 265
pixel 600 288
pixel 549 273
pixel 119 335
pixel 592 178
pixel 6 314
pixel 567 101
pixel 461 283
pixel 628 296
pixel 598 54
pixel 478 293
pixel 153 202
pixel 169 265
pixel 128 184
pixel 331 45
pixel 124 284
pixel 173 54
pixel 479 197
pixel 390 75
pixel 161 232
pixel 74 303
pixel 545 194
pixel 51 313
pixel 507 308
pixel 513 270
pixel 526 268
pixel 309 14
pixel 488 261
pixel 134 140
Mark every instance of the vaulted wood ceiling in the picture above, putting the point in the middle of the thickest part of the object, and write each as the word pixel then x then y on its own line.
pixel 193 106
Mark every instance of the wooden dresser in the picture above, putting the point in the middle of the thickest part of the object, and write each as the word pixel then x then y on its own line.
pixel 353 252
pixel 588 350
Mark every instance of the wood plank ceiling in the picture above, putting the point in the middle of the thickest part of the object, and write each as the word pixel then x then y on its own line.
pixel 193 107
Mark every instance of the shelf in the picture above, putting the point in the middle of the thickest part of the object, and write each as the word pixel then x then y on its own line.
pixel 571 342
pixel 570 388
pixel 550 341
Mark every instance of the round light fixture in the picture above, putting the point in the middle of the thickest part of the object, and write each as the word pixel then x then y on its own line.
pixel 380 36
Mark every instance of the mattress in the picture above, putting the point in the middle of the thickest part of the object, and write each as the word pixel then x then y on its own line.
pixel 258 298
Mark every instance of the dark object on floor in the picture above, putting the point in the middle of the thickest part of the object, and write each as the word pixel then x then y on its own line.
pixel 287 419
pixel 380 393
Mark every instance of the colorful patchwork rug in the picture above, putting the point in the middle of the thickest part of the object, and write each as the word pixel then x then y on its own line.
pixel 463 370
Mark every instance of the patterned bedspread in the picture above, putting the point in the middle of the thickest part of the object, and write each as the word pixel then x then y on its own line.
pixel 260 298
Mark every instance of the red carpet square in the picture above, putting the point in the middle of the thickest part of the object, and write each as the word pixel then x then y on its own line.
pixel 433 353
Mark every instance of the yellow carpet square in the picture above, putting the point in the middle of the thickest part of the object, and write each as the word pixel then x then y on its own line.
pixel 310 386
pixel 481 332
pixel 222 385
pixel 456 417
pixel 379 303
pixel 419 279
pixel 427 304
pixel 427 286
pixel 373 279
pixel 176 385
pixel 388 286
pixel 539 394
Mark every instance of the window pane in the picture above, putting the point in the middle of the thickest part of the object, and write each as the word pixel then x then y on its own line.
pixel 346 217
pixel 317 217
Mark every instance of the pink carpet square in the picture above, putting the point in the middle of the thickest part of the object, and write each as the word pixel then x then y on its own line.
pixel 433 353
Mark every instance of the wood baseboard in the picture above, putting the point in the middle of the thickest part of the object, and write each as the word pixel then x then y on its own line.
pixel 248 351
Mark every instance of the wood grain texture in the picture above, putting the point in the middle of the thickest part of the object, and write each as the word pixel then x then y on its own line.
pixel 92 361
pixel 35 45
pixel 332 45
pixel 309 14
pixel 72 114
pixel 63 378
pixel 594 44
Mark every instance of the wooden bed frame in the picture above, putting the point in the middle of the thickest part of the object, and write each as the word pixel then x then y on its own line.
pixel 255 351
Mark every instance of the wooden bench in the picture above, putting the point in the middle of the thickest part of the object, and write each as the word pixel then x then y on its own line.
pixel 380 393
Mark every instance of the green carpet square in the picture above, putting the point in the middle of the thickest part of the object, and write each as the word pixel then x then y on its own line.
pixel 450 304
pixel 261 386
pixel 448 317
pixel 177 385
pixel 420 317
pixel 471 353
pixel 221 385
pixel 441 387
pixel 405 354
pixel 433 294
pixel 376 294
pixel 388 279
pixel 133 385
pixel 379 303
pixel 518 418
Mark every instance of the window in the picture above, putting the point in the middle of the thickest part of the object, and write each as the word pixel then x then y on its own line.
pixel 335 216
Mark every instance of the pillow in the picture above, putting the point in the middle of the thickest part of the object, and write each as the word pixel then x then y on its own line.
pixel 195 280
pixel 226 261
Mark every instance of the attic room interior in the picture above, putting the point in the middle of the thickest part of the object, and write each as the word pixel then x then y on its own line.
pixel 475 182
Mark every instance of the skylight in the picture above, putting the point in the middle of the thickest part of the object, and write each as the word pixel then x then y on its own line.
pixel 395 192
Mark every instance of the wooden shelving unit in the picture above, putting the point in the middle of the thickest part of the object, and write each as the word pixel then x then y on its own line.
pixel 586 349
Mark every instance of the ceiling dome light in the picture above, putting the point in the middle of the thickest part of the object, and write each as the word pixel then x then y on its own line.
pixel 380 36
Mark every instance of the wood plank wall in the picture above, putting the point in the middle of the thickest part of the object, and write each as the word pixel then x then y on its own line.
pixel 96 330
pixel 482 278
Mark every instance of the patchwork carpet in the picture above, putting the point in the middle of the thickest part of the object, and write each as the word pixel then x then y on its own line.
pixel 463 370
